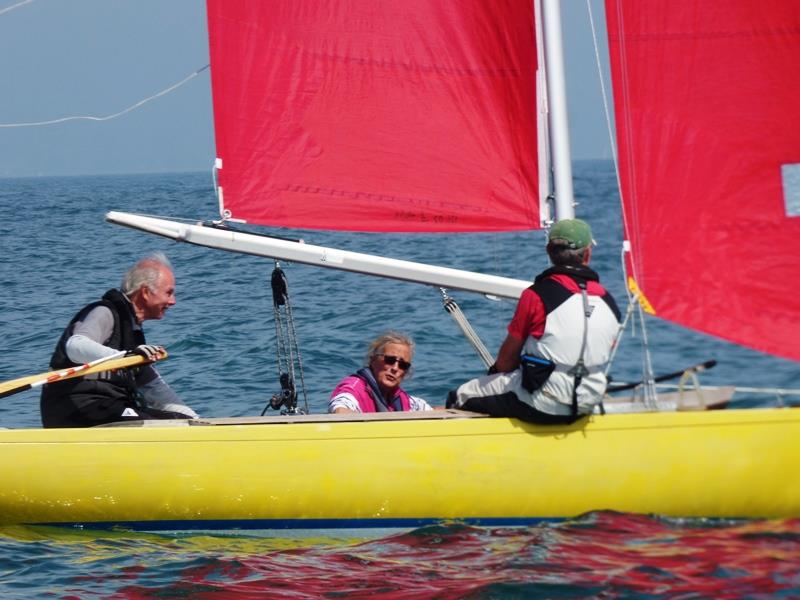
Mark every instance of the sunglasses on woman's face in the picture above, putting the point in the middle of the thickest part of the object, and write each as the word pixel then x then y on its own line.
pixel 388 359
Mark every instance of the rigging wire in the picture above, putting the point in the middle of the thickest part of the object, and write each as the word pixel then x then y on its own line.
pixel 13 6
pixel 115 115
pixel 603 92
pixel 650 393
pixel 605 95
pixel 649 385
pixel 460 318
pixel 618 338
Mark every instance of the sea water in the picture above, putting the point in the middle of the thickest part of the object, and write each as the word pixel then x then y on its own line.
pixel 58 254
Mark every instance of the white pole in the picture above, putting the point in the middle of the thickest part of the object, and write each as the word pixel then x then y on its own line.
pixel 557 107
pixel 321 256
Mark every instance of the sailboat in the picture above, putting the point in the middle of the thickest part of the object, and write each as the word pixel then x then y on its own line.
pixel 441 116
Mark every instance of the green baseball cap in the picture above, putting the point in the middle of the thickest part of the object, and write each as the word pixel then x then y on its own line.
pixel 575 232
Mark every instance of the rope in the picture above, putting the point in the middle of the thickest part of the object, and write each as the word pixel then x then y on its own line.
pixel 295 353
pixel 287 351
pixel 627 222
pixel 13 6
pixel 603 91
pixel 618 337
pixel 649 388
pixel 650 395
pixel 112 116
pixel 452 307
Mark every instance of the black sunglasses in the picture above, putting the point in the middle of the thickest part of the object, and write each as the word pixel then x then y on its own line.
pixel 390 360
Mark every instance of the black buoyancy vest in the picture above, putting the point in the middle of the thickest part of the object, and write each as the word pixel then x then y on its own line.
pixel 553 294
pixel 123 337
pixel 79 402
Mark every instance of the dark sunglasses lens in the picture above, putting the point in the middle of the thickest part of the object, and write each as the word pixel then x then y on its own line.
pixel 390 360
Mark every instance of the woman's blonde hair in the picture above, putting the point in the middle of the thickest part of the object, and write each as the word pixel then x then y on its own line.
pixel 377 345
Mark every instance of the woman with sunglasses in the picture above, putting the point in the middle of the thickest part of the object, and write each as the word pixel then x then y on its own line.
pixel 376 386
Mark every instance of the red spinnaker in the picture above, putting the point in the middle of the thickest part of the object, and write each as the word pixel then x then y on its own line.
pixel 707 99
pixel 376 115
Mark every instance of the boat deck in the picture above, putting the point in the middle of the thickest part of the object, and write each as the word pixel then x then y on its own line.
pixel 427 415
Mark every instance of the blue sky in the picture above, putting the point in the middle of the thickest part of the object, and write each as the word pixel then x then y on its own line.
pixel 97 57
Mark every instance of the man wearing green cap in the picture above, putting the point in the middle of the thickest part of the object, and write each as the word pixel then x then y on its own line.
pixel 550 368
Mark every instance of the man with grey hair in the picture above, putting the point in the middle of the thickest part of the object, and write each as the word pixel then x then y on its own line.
pixel 101 329
pixel 550 368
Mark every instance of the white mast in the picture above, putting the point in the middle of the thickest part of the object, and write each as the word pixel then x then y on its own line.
pixel 557 109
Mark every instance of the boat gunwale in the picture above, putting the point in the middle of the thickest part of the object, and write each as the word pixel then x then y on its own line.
pixel 431 423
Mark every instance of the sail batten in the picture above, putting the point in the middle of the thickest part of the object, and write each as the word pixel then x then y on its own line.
pixel 371 115
pixel 706 112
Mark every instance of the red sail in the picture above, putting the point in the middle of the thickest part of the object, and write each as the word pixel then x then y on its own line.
pixel 707 99
pixel 376 115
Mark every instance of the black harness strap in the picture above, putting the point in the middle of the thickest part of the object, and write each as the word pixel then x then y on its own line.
pixel 579 370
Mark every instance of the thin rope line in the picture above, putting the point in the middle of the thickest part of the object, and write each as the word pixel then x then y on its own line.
pixel 650 394
pixel 112 116
pixel 13 6
pixel 629 222
pixel 603 91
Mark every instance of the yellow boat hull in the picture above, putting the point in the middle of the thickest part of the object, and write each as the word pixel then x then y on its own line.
pixel 326 471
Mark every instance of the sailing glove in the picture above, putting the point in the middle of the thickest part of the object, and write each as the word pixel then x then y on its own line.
pixel 149 351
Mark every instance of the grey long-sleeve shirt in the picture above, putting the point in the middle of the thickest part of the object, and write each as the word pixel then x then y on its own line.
pixel 87 344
